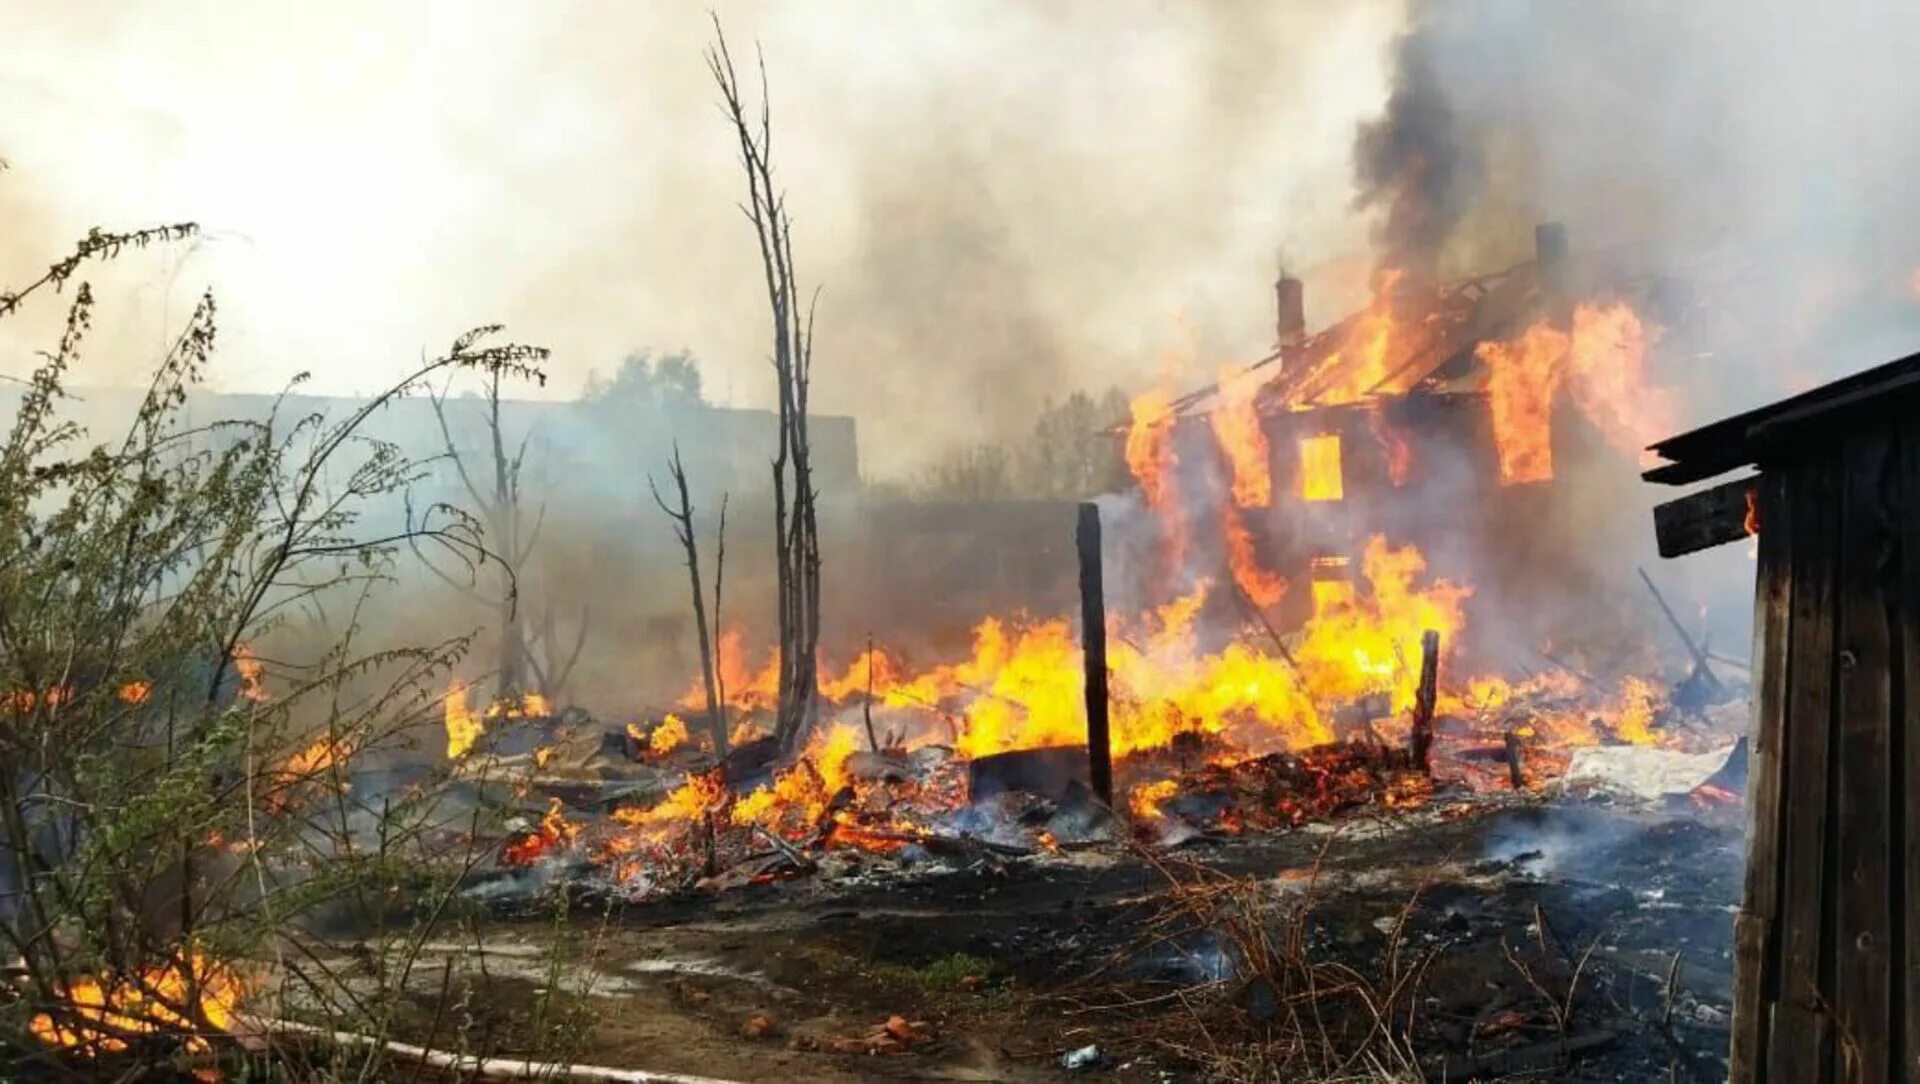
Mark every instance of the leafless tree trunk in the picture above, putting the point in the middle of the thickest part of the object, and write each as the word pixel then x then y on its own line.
pixel 682 517
pixel 553 667
pixel 796 524
pixel 510 538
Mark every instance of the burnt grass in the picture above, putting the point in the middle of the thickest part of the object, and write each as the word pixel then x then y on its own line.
pixel 1013 963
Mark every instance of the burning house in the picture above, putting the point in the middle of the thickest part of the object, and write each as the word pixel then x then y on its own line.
pixel 1440 416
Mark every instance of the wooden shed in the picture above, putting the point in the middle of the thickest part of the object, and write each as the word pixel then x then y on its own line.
pixel 1827 940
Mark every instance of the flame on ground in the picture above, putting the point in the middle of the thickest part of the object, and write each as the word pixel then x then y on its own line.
pixel 554 832
pixel 463 726
pixel 1021 685
pixel 1147 801
pixel 669 736
pixel 188 997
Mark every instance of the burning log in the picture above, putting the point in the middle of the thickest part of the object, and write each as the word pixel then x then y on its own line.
pixel 1093 645
pixel 1424 701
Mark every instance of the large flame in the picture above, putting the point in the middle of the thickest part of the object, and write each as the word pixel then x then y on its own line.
pixel 1522 377
pixel 1609 379
pixel 1365 358
pixel 1150 456
pixel 1602 364
pixel 1021 686
pixel 1242 440
pixel 1372 644
pixel 1263 587
pixel 745 688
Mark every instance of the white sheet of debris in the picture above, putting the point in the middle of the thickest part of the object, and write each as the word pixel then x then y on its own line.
pixel 1642 771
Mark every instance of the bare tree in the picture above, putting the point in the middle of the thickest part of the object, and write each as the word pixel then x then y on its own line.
pixel 796 524
pixel 510 535
pixel 682 517
pixel 551 664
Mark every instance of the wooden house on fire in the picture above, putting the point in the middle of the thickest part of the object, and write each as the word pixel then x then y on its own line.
pixel 1397 421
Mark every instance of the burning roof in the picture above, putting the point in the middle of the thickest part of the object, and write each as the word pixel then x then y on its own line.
pixel 1410 340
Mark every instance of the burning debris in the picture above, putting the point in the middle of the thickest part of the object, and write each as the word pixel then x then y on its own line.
pixel 1235 703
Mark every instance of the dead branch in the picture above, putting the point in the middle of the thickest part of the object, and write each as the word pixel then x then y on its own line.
pixel 510 538
pixel 796 522
pixel 682 517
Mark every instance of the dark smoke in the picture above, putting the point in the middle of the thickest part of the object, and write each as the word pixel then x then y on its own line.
pixel 1416 164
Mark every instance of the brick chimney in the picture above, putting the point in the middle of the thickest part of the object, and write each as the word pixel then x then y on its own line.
pixel 1290 310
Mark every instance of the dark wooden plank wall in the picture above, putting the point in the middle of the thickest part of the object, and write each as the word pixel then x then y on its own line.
pixel 1826 971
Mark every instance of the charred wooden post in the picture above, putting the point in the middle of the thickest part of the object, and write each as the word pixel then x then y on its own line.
pixel 1421 738
pixel 1093 648
pixel 1516 761
pixel 1827 940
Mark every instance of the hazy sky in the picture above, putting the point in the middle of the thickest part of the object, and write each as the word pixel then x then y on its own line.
pixel 1000 202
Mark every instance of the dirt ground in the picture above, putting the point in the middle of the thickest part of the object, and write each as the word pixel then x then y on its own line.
pixel 1000 968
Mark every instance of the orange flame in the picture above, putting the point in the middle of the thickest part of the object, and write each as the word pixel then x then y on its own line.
pixel 22 701
pixel 1603 365
pixel 135 692
pixel 670 735
pixel 1752 520
pixel 1242 440
pixel 1522 377
pixel 1150 456
pixel 1263 587
pixel 323 754
pixel 463 726
pixel 251 672
pixel 189 998
pixel 1394 444
pixel 1610 382
pixel 1372 343
pixel 554 832
pixel 745 689
pixel 1147 801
